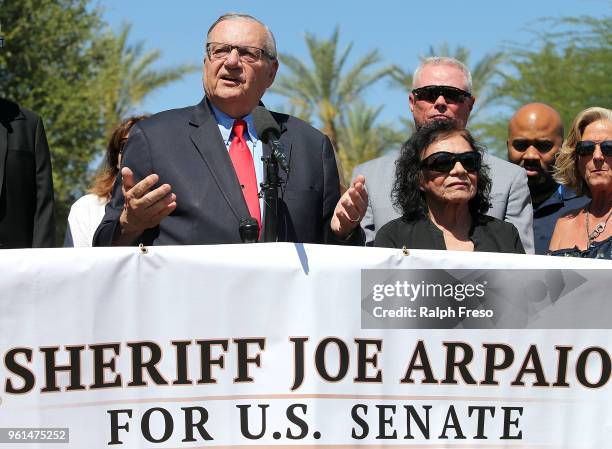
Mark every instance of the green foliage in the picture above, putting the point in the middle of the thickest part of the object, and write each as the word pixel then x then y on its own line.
pixel 60 61
pixel 361 138
pixel 569 69
pixel 128 77
pixel 328 88
pixel 51 63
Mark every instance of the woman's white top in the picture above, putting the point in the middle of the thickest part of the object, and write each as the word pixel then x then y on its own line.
pixel 84 218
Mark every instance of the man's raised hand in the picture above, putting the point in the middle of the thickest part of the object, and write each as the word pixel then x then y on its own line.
pixel 143 208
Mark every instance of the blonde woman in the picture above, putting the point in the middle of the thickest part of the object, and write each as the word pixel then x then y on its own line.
pixel 585 164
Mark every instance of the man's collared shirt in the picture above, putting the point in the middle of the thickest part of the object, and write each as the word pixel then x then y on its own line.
pixel 225 124
pixel 546 214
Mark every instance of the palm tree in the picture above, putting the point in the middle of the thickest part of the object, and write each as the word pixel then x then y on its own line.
pixel 128 76
pixel 361 139
pixel 327 88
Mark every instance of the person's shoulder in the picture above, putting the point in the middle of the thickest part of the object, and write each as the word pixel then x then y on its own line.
pixel 401 230
pixel 295 124
pixel 166 118
pixel 399 223
pixel 87 201
pixel 487 220
pixel 495 224
pixel 571 199
pixel 505 174
pixel 10 110
pixel 386 236
pixel 566 230
pixel 497 163
pixel 567 219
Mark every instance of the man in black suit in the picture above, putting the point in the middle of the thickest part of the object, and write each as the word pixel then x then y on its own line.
pixel 181 184
pixel 26 185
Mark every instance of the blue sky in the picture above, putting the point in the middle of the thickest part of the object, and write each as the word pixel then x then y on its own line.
pixel 401 30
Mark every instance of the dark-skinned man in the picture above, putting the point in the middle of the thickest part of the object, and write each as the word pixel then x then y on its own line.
pixel 535 135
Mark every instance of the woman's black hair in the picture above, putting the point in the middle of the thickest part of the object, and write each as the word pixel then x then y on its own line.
pixel 407 195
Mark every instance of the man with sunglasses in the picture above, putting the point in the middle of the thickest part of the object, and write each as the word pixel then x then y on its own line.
pixel 442 91
pixel 192 175
pixel 535 136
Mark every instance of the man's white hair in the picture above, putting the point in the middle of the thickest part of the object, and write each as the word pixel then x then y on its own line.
pixel 270 44
pixel 443 60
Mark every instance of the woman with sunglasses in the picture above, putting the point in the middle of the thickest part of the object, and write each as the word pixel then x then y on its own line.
pixel 87 212
pixel 585 164
pixel 442 189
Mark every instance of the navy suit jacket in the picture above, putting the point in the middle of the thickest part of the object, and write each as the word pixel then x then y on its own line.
pixel 185 148
pixel 26 186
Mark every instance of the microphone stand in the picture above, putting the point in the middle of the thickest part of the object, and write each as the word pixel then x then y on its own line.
pixel 269 190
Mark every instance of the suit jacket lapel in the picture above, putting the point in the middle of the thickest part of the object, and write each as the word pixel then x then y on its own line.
pixel 286 143
pixel 207 140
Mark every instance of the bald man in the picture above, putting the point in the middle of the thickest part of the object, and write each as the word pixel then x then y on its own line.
pixel 535 135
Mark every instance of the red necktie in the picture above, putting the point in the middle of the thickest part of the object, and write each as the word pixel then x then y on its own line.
pixel 245 170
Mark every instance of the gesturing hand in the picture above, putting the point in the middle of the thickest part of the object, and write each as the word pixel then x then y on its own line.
pixel 143 208
pixel 350 209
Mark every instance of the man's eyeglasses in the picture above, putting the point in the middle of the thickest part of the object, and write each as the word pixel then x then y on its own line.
pixel 444 161
pixel 587 147
pixel 431 93
pixel 543 146
pixel 217 50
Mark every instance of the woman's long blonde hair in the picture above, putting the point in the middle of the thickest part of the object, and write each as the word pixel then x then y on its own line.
pixel 566 169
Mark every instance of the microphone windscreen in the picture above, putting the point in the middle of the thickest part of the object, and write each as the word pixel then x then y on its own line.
pixel 265 125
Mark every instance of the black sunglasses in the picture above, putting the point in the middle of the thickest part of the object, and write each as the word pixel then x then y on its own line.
pixel 543 146
pixel 444 161
pixel 587 147
pixel 431 93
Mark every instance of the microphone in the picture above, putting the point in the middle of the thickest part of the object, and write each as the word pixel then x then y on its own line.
pixel 249 230
pixel 269 132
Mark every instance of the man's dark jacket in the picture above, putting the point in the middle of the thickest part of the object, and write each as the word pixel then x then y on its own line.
pixel 185 148
pixel 26 186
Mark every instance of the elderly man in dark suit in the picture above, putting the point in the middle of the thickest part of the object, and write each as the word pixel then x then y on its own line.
pixel 190 175
pixel 26 186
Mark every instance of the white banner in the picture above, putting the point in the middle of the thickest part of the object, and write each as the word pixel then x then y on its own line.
pixel 275 345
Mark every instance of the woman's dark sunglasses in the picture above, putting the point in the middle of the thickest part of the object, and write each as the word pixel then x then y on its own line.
pixel 587 147
pixel 443 161
pixel 431 93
